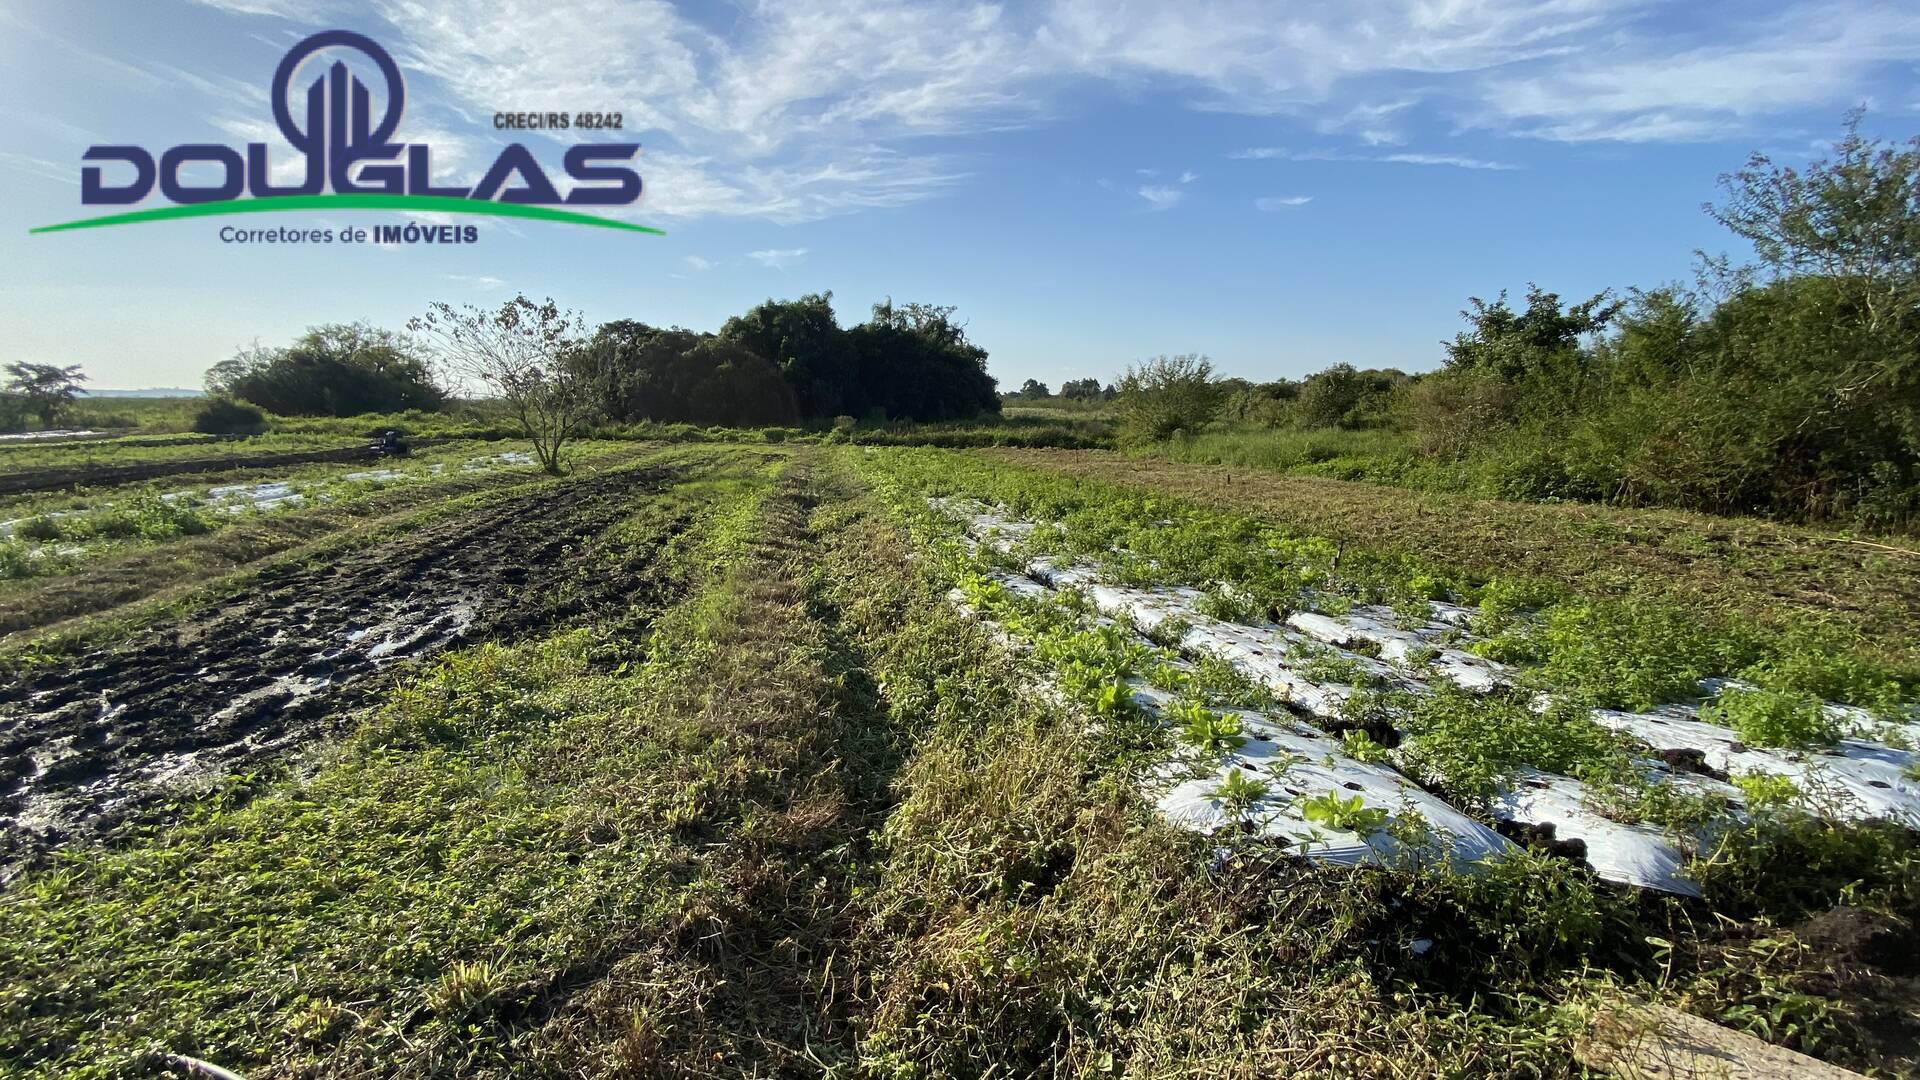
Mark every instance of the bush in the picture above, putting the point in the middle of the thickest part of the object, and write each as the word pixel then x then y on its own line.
pixel 1162 396
pixel 225 416
pixel 333 370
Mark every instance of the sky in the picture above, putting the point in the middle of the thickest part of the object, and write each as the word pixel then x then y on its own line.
pixel 1277 186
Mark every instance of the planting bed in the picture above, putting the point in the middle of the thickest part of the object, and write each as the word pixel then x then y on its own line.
pixel 82 742
pixel 1321 665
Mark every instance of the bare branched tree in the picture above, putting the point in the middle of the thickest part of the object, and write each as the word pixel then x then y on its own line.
pixel 526 353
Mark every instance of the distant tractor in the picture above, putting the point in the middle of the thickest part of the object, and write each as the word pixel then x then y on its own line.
pixel 389 444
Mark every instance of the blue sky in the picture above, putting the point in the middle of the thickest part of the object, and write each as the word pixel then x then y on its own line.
pixel 1280 186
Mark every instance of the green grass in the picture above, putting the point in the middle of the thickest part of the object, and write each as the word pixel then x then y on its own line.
pixel 805 817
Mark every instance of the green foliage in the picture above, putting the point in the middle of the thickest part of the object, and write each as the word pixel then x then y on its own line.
pixel 1360 746
pixel 1238 794
pixel 225 416
pixel 907 362
pixel 1208 731
pixel 1786 718
pixel 1344 397
pixel 1351 814
pixel 45 390
pixel 338 369
pixel 1627 655
pixel 1471 744
pixel 1164 395
pixel 1765 791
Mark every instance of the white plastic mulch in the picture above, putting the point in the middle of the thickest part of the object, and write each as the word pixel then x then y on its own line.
pixel 1299 761
pixel 267 496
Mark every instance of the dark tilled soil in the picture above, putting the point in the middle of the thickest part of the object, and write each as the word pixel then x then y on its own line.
pixel 114 732
pixel 74 476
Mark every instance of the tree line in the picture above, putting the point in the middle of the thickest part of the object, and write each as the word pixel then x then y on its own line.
pixel 784 362
pixel 1789 387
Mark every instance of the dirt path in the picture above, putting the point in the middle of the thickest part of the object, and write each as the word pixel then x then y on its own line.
pixel 84 744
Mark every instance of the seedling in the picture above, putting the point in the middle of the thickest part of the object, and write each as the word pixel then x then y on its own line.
pixel 1360 747
pixel 1351 814
pixel 1238 794
pixel 1209 731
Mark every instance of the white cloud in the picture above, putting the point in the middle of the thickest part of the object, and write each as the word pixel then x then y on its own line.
pixel 1450 160
pixel 1281 202
pixel 482 282
pixel 777 258
pixel 1189 176
pixel 1456 161
pixel 1160 197
pixel 695 262
pixel 803 109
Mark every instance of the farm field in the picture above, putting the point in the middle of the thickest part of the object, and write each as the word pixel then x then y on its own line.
pixel 785 758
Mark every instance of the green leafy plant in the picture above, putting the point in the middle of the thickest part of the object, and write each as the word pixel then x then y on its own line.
pixel 1774 718
pixel 1208 731
pixel 1239 793
pixel 1351 814
pixel 1767 791
pixel 1360 746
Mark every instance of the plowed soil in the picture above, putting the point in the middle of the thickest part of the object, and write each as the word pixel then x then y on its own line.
pixel 111 733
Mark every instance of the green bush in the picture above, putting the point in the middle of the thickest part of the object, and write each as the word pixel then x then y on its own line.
pixel 1165 395
pixel 225 416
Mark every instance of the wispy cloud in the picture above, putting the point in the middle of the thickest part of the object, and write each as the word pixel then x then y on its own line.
pixel 1160 197
pixel 1281 202
pixel 809 108
pixel 1456 161
pixel 481 282
pixel 778 258
pixel 695 262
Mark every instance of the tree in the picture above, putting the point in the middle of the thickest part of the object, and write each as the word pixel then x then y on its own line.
pixel 45 390
pixel 1081 389
pixel 528 354
pixel 1543 339
pixel 1854 219
pixel 804 340
pixel 1164 395
pixel 1034 388
pixel 339 369
pixel 913 361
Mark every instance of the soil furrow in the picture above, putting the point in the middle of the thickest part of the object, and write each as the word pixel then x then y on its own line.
pixel 85 745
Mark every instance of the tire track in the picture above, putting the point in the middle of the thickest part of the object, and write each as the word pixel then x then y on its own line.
pixel 116 731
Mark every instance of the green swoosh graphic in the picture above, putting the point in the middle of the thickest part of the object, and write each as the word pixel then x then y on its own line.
pixel 437 204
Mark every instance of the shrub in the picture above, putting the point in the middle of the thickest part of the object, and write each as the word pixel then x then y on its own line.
pixel 225 416
pixel 1165 395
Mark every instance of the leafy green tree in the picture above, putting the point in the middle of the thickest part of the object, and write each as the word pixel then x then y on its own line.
pixel 1543 339
pixel 1343 396
pixel 1081 390
pixel 1034 389
pixel 804 340
pixel 339 369
pixel 1852 219
pixel 45 390
pixel 913 361
pixel 1165 395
